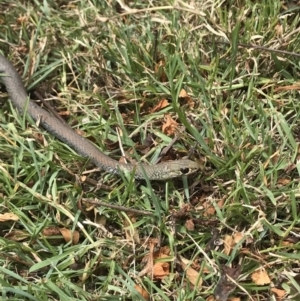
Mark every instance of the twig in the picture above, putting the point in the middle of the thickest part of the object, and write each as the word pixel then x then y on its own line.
pixel 117 207
pixel 260 48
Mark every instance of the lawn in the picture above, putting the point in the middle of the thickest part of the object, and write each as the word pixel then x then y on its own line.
pixel 152 81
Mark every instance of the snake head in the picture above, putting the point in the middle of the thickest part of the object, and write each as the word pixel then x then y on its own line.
pixel 167 170
pixel 182 167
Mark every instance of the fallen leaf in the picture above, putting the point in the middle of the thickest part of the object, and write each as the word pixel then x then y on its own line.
pixel 221 203
pixel 143 292
pixel 8 217
pixel 17 235
pixel 148 269
pixel 169 126
pixel 161 269
pixel 192 275
pixel 237 237
pixel 159 71
pixel 228 244
pixel 187 98
pixel 284 181
pixel 51 231
pixel 279 30
pixel 293 87
pixel 183 94
pixel 131 233
pixel 225 285
pixel 260 277
pixel 278 292
pixel 86 271
pixel 83 178
pixel 162 104
pixel 189 224
pixel 158 269
pixel 69 235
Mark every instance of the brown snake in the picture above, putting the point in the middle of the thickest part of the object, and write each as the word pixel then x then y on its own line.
pixel 18 95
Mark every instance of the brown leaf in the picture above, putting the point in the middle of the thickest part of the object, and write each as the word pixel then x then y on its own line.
pixel 83 178
pixel 17 235
pixel 284 181
pixel 189 224
pixel 170 125
pixel 162 104
pixel 161 269
pixel 51 231
pixel 143 292
pixel 279 30
pixel 183 94
pixel 70 235
pixel 159 71
pixel 147 270
pixel 131 233
pixel 260 277
pixel 187 98
pixel 279 292
pixel 225 285
pixel 192 274
pixel 8 217
pixel 293 87
pixel 228 244
pixel 237 237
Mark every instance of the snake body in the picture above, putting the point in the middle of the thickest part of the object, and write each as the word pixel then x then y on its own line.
pixel 19 97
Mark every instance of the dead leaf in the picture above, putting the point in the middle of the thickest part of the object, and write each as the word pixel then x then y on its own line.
pixel 189 224
pixel 83 178
pixel 66 233
pixel 143 292
pixel 260 277
pixel 159 71
pixel 86 272
pixel 209 209
pixel 17 235
pixel 147 270
pixel 161 269
pixel 293 87
pixel 162 104
pixel 183 94
pixel 287 243
pixel 192 274
pixel 158 269
pixel 225 285
pixel 187 98
pixel 278 292
pixel 8 217
pixel 279 30
pixel 51 231
pixel 284 181
pixel 170 125
pixel 237 237
pixel 131 233
pixel 69 235
pixel 221 203
pixel 228 244
pixel 225 111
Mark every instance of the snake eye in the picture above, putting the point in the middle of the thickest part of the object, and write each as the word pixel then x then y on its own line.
pixel 185 170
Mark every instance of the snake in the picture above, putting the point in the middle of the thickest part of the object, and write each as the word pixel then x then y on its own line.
pixel 84 147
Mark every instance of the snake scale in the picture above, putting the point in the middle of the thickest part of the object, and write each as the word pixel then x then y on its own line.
pixel 19 97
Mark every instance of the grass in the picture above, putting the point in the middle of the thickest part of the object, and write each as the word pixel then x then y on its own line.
pixel 105 69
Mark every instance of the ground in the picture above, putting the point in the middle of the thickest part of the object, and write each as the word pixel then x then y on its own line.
pixel 149 81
